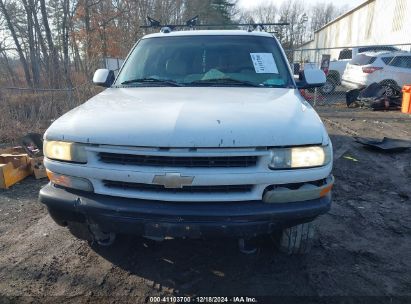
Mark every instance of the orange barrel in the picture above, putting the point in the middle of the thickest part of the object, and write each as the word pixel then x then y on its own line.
pixel 406 99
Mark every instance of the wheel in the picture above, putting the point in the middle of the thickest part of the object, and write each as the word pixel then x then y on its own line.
pixel 297 239
pixel 80 231
pixel 328 87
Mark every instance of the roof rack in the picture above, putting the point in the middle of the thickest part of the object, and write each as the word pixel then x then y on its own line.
pixel 193 22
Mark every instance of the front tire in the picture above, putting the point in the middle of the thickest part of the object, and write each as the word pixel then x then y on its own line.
pixel 297 240
pixel 328 87
pixel 80 231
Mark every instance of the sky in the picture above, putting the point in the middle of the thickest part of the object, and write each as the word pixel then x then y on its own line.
pixel 251 3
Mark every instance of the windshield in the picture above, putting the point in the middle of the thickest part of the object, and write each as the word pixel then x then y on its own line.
pixel 206 61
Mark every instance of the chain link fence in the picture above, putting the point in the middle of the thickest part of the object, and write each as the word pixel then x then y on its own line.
pixel 353 67
pixel 33 110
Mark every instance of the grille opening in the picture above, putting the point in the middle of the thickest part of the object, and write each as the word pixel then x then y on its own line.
pixel 185 189
pixel 188 162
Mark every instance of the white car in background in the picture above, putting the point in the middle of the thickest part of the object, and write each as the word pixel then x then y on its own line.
pixel 337 67
pixel 386 68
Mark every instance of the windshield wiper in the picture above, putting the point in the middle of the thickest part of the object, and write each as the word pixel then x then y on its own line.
pixel 226 81
pixel 152 80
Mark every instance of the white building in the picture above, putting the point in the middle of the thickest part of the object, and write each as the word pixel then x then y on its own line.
pixel 375 22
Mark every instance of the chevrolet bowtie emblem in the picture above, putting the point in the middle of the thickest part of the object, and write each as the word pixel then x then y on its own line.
pixel 173 180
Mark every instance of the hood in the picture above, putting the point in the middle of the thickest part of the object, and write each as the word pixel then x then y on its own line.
pixel 192 117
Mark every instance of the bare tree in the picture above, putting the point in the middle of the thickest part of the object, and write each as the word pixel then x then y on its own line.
pixel 34 62
pixel 17 43
pixel 322 13
pixel 54 61
pixel 303 20
pixel 59 42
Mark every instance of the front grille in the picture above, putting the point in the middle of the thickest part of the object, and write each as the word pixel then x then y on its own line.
pixel 189 162
pixel 185 189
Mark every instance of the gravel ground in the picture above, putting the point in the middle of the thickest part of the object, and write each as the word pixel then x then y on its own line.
pixel 362 246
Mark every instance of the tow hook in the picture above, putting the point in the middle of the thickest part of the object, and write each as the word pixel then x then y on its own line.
pixel 102 238
pixel 247 246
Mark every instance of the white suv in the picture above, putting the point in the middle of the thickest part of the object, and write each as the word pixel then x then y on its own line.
pixel 202 133
pixel 386 68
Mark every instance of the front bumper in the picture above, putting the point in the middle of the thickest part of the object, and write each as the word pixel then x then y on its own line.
pixel 178 219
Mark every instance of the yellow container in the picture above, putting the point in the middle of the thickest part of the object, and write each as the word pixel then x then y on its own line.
pixel 406 99
pixel 13 168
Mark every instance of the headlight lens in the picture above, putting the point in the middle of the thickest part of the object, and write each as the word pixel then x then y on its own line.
pixel 65 151
pixel 300 157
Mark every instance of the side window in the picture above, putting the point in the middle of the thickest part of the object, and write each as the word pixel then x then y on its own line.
pixel 387 59
pixel 401 62
pixel 345 54
pixel 372 60
pixel 394 62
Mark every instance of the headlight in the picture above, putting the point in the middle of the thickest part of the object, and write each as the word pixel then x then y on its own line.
pixel 300 157
pixel 65 151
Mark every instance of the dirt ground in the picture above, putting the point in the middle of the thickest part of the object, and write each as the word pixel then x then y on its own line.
pixel 362 246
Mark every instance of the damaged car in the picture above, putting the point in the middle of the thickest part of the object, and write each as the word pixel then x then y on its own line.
pixel 391 70
pixel 202 134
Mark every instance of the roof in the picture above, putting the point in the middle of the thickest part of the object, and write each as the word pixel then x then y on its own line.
pixel 383 53
pixel 210 33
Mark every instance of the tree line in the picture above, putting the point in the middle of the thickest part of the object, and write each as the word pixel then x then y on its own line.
pixel 59 43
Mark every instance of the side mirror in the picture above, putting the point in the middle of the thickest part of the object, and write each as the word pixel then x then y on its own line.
pixel 311 78
pixel 103 78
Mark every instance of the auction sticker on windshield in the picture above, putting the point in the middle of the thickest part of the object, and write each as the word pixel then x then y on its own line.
pixel 264 63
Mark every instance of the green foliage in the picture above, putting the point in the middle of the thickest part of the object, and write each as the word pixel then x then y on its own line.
pixel 223 9
pixel 211 11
